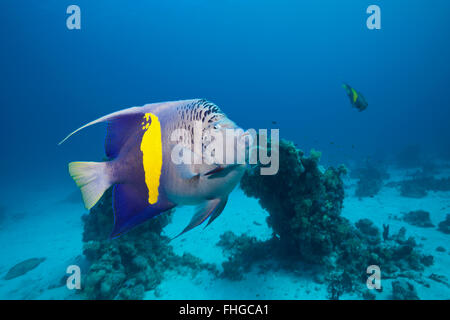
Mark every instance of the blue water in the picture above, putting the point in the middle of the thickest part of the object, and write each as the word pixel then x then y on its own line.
pixel 260 61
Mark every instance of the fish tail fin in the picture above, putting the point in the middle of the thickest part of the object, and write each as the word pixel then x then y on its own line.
pixel 92 179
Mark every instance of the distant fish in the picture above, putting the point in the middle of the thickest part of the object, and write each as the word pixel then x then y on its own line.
pixel 146 180
pixel 274 122
pixel 23 267
pixel 356 99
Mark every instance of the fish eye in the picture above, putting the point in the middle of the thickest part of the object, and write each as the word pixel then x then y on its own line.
pixel 217 126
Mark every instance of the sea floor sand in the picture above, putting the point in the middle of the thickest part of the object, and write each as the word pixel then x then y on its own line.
pixel 45 226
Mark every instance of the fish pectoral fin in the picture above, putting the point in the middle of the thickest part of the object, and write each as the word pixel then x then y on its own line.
pixel 185 171
pixel 211 208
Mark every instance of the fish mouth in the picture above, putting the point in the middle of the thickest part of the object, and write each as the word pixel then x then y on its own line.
pixel 221 172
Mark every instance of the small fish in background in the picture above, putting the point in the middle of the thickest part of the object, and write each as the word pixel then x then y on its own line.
pixel 356 98
pixel 23 267
pixel 146 181
pixel 274 122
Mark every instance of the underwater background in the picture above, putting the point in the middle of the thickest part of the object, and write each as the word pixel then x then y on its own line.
pixel 266 64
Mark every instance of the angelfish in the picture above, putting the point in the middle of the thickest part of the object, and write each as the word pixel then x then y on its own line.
pixel 146 180
pixel 357 100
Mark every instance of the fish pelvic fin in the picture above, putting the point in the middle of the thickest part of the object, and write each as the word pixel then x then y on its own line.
pixel 212 208
pixel 92 179
pixel 217 211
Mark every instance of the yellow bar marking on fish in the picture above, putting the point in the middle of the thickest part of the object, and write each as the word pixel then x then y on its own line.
pixel 151 147
pixel 355 95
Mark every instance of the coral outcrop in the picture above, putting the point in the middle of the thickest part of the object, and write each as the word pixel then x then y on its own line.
pixel 370 180
pixel 403 290
pixel 419 218
pixel 126 267
pixel 419 186
pixel 304 205
pixel 444 226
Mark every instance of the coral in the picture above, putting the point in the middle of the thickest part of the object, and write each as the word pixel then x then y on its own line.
pixel 439 278
pixel 418 186
pixel 243 252
pixel 413 188
pixel 302 202
pixel 385 232
pixel 403 290
pixel 125 267
pixel 367 227
pixel 367 295
pixel 304 206
pixel 370 181
pixel 338 283
pixel 444 226
pixel 419 218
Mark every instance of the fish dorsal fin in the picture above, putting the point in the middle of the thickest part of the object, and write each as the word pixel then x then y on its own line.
pixel 118 132
pixel 211 208
pixel 130 111
pixel 108 117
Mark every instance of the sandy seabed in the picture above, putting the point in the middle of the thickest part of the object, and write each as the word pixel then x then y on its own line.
pixel 47 226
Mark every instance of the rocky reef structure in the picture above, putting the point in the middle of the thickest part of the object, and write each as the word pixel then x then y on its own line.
pixel 126 267
pixel 419 218
pixel 418 187
pixel 302 201
pixel 403 290
pixel 444 226
pixel 304 205
pixel 420 182
pixel 370 179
